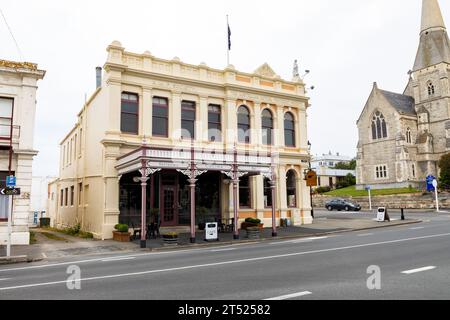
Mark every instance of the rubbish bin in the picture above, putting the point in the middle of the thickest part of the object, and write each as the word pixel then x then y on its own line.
pixel 44 222
pixel 211 232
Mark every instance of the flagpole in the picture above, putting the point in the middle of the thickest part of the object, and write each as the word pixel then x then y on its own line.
pixel 228 43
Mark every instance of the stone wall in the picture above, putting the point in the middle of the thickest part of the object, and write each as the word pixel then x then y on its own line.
pixel 407 201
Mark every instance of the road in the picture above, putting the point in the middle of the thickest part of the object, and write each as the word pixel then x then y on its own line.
pixel 414 261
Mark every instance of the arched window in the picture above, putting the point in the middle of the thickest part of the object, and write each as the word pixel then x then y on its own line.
pixel 289 130
pixel 243 124
pixel 267 127
pixel 291 189
pixel 379 127
pixel 431 89
pixel 408 135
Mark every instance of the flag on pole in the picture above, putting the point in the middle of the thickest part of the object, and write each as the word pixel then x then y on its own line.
pixel 229 36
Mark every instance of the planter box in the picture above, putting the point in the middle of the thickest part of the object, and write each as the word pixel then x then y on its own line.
pixel 121 236
pixel 170 241
pixel 253 232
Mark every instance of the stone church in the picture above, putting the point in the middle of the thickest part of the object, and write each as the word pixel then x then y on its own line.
pixel 403 136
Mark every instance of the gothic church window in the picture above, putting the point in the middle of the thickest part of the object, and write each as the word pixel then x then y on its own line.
pixel 408 135
pixel 431 90
pixel 381 172
pixel 379 127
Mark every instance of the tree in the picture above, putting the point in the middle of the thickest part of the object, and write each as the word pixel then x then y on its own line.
pixel 346 166
pixel 444 165
pixel 350 179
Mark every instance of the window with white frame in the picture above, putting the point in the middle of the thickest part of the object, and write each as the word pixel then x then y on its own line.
pixel 381 172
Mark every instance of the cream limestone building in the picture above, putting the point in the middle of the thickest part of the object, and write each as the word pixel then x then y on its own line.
pixel 158 133
pixel 18 86
pixel 403 136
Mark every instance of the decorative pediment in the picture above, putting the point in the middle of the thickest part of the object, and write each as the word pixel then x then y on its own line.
pixel 265 71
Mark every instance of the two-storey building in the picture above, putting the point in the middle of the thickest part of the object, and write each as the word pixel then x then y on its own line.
pixel 158 133
pixel 18 85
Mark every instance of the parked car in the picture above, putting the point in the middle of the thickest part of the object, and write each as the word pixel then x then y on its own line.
pixel 342 204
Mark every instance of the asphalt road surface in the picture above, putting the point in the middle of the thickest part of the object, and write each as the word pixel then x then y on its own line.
pixel 413 261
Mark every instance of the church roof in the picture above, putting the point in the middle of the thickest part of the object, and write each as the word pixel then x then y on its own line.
pixel 402 103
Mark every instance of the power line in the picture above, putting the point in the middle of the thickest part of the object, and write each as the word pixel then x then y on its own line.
pixel 12 35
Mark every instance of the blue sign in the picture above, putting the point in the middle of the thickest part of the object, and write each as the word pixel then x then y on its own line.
pixel 368 188
pixel 10 181
pixel 430 179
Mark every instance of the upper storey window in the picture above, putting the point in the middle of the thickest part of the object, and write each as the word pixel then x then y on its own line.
pixel 289 130
pixel 431 89
pixel 243 124
pixel 6 117
pixel 267 127
pixel 214 123
pixel 129 116
pixel 160 120
pixel 188 119
pixel 379 128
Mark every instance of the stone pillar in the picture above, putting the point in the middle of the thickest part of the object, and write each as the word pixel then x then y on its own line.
pixel 257 133
pixel 147 112
pixel 114 101
pixel 301 130
pixel 279 140
pixel 230 125
pixel 175 116
pixel 259 197
pixel 202 122
pixel 282 191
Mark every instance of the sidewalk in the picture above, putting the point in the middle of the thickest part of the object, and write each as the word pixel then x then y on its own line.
pixel 63 246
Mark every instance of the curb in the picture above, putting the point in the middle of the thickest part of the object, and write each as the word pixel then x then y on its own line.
pixel 18 259
pixel 205 245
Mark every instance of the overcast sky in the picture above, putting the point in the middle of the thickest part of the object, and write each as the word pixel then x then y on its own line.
pixel 346 44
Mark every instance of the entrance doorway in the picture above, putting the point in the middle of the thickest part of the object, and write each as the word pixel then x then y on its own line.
pixel 169 206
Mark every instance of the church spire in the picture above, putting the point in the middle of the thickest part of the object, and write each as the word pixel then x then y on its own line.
pixel 434 46
pixel 431 16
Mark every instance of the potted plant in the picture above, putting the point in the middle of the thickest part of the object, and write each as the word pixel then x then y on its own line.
pixel 121 233
pixel 170 238
pixel 201 218
pixel 251 222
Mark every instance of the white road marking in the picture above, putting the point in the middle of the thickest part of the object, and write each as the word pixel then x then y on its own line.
pixel 417 228
pixel 290 296
pixel 3 279
pixel 118 259
pixel 223 250
pixel 98 260
pixel 228 262
pixel 419 270
pixel 365 234
pixel 298 240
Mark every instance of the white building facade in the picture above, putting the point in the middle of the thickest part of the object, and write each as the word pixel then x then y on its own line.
pixel 18 86
pixel 150 117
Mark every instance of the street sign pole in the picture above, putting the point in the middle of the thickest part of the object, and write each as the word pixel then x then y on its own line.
pixel 435 185
pixel 8 247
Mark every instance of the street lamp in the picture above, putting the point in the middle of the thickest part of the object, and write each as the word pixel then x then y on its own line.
pixel 310 188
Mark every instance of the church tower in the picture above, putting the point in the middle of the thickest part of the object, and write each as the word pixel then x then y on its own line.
pixel 429 86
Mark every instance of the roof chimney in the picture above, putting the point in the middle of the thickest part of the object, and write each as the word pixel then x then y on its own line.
pixel 98 73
